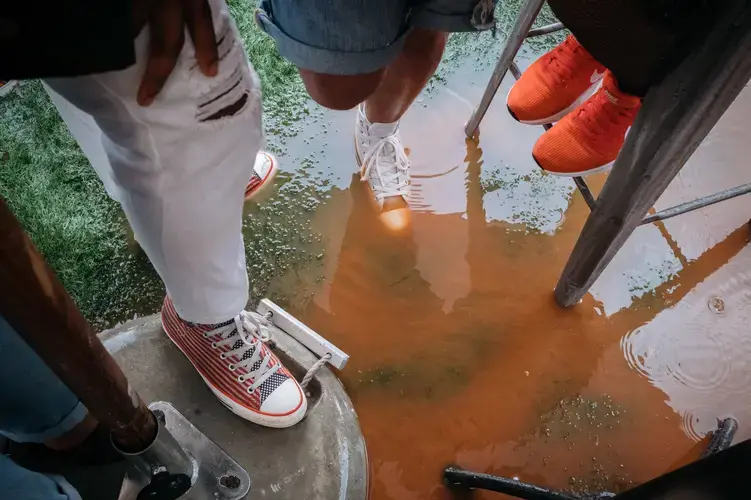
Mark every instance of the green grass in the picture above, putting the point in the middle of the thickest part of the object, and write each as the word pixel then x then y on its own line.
pixel 55 194
pixel 284 95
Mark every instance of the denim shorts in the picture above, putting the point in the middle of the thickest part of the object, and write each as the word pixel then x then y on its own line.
pixel 350 37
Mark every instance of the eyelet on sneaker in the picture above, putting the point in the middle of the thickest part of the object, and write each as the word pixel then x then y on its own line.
pixel 251 391
pixel 213 345
pixel 231 367
pixel 241 378
pixel 222 356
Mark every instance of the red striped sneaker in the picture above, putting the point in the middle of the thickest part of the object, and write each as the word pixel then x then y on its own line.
pixel 239 368
pixel 264 172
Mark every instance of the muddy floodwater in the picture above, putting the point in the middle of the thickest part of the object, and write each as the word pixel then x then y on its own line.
pixel 459 354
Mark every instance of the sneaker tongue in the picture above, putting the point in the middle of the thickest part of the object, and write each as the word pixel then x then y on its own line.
pixel 617 96
pixel 381 130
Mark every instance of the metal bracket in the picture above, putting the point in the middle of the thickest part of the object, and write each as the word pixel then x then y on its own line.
pixel 215 474
pixel 300 332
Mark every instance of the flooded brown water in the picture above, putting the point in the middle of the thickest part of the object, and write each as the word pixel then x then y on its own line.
pixel 459 354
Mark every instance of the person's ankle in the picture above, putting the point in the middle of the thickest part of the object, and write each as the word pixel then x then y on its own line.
pixel 378 116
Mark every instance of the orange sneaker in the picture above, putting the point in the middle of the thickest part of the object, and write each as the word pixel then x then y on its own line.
pixel 588 140
pixel 555 84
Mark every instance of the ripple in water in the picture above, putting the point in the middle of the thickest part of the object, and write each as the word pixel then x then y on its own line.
pixel 700 356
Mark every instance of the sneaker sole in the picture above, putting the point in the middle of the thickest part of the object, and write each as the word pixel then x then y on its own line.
pixel 265 183
pixel 603 168
pixel 556 117
pixel 266 420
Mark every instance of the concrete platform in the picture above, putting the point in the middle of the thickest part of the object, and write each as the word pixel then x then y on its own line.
pixel 324 457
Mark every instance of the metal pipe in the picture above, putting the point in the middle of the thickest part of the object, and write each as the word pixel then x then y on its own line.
pixel 519 32
pixel 722 437
pixel 513 487
pixel 35 303
pixel 517 73
pixel 545 30
pixel 690 206
pixel 585 192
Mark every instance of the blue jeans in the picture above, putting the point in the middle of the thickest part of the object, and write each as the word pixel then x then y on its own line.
pixel 36 406
pixel 351 37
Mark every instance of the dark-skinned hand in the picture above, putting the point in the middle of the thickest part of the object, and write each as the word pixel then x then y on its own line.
pixel 167 20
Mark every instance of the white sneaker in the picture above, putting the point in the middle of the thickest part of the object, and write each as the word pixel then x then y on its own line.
pixel 385 167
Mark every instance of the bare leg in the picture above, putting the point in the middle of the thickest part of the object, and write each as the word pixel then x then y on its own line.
pixel 406 76
pixel 387 94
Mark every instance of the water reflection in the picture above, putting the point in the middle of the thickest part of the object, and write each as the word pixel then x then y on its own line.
pixel 699 351
pixel 458 353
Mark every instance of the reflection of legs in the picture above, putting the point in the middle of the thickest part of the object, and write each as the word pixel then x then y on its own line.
pixel 37 407
pixel 677 115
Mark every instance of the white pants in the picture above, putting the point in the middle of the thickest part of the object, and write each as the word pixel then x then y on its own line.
pixel 179 167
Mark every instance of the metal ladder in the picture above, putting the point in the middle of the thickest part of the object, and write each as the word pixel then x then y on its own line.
pixel 675 117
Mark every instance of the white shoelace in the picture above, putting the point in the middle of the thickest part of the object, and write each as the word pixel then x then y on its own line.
pixel 389 162
pixel 250 329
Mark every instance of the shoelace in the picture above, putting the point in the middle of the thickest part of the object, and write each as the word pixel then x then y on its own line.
pixel 389 167
pixel 602 117
pixel 562 58
pixel 250 329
